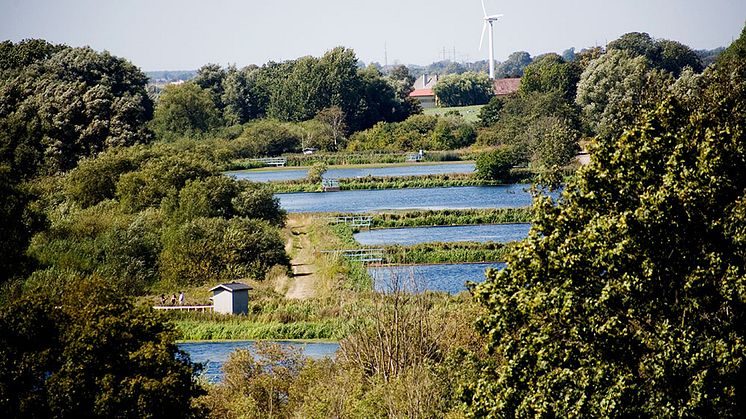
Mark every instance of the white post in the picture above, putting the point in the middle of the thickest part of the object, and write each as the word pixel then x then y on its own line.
pixel 492 53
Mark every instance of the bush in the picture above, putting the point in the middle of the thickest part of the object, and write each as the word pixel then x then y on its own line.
pixel 495 165
pixel 316 172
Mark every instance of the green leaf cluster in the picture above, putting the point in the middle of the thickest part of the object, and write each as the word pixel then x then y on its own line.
pixel 627 299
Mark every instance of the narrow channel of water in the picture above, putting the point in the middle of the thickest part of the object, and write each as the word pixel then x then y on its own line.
pixel 214 354
pixel 264 175
pixel 355 201
pixel 501 233
pixel 450 278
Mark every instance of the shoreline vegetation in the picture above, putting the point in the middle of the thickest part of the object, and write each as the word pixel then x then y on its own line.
pixel 342 286
pixel 517 175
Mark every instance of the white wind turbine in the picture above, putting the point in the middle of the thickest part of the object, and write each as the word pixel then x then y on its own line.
pixel 488 19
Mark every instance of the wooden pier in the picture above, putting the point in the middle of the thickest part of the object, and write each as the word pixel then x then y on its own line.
pixel 184 308
pixel 271 161
pixel 330 185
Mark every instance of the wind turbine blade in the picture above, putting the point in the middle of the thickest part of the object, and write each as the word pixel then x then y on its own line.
pixel 494 16
pixel 484 9
pixel 481 40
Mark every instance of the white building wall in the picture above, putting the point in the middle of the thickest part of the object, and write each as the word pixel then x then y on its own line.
pixel 222 302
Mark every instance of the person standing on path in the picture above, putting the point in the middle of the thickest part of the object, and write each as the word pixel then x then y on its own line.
pixel 173 299
pixel 181 298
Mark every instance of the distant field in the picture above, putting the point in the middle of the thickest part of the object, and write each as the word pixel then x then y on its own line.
pixel 468 112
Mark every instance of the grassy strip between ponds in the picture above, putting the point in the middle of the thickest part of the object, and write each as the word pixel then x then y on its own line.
pixel 345 159
pixel 450 217
pixel 385 182
pixel 207 329
pixel 518 175
pixel 464 252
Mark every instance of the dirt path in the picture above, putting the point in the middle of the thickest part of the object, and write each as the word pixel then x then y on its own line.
pixel 302 284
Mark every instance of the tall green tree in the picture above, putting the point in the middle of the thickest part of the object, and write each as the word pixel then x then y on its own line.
pixel 90 353
pixel 61 104
pixel 614 88
pixel 464 89
pixel 550 72
pixel 184 110
pixel 628 297
pixel 514 65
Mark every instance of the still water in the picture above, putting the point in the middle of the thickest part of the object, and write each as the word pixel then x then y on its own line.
pixel 212 355
pixel 501 233
pixel 413 170
pixel 505 196
pixel 450 278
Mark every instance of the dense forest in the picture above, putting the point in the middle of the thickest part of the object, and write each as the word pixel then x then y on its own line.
pixel 627 299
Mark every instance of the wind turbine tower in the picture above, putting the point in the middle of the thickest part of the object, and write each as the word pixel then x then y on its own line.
pixel 488 20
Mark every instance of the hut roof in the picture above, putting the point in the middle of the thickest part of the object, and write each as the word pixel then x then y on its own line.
pixel 233 286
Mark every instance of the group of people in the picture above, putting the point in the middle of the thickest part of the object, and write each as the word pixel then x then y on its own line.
pixel 173 299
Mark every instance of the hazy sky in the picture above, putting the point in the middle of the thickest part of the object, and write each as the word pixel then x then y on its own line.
pixel 185 34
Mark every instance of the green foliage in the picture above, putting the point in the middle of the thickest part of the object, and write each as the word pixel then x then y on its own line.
pixel 418 132
pixel 121 249
pixel 464 89
pixel 461 252
pixel 61 104
pixel 91 354
pixel 316 173
pixel 421 218
pixel 223 197
pixel 210 250
pixel 95 179
pixel 157 178
pixel 263 382
pixel 496 164
pixel 615 88
pixel 268 137
pixel 543 129
pixel 20 222
pixel 185 110
pixel 627 299
pixel 490 112
pixel 299 89
pixel 514 65
pixel 662 54
pixel 265 330
pixel 550 73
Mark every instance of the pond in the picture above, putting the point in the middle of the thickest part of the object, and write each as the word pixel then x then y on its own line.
pixel 450 278
pixel 264 175
pixel 355 201
pixel 213 354
pixel 501 233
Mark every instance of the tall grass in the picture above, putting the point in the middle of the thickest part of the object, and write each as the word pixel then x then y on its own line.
pixel 334 329
pixel 421 218
pixel 464 252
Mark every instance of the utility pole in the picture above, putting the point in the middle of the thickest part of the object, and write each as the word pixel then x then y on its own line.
pixel 385 56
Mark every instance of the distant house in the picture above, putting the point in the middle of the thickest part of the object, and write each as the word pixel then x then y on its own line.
pixel 232 298
pixel 506 87
pixel 423 90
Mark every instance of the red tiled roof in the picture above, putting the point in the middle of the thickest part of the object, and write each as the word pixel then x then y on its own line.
pixel 506 86
pixel 422 93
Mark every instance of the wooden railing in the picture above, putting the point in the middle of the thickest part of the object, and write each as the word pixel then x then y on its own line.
pixel 359 255
pixel 353 221
pixel 184 308
pixel 271 161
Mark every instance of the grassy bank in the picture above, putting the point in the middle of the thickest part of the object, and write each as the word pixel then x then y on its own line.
pixel 385 182
pixel 450 217
pixel 464 252
pixel 518 175
pixel 207 329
